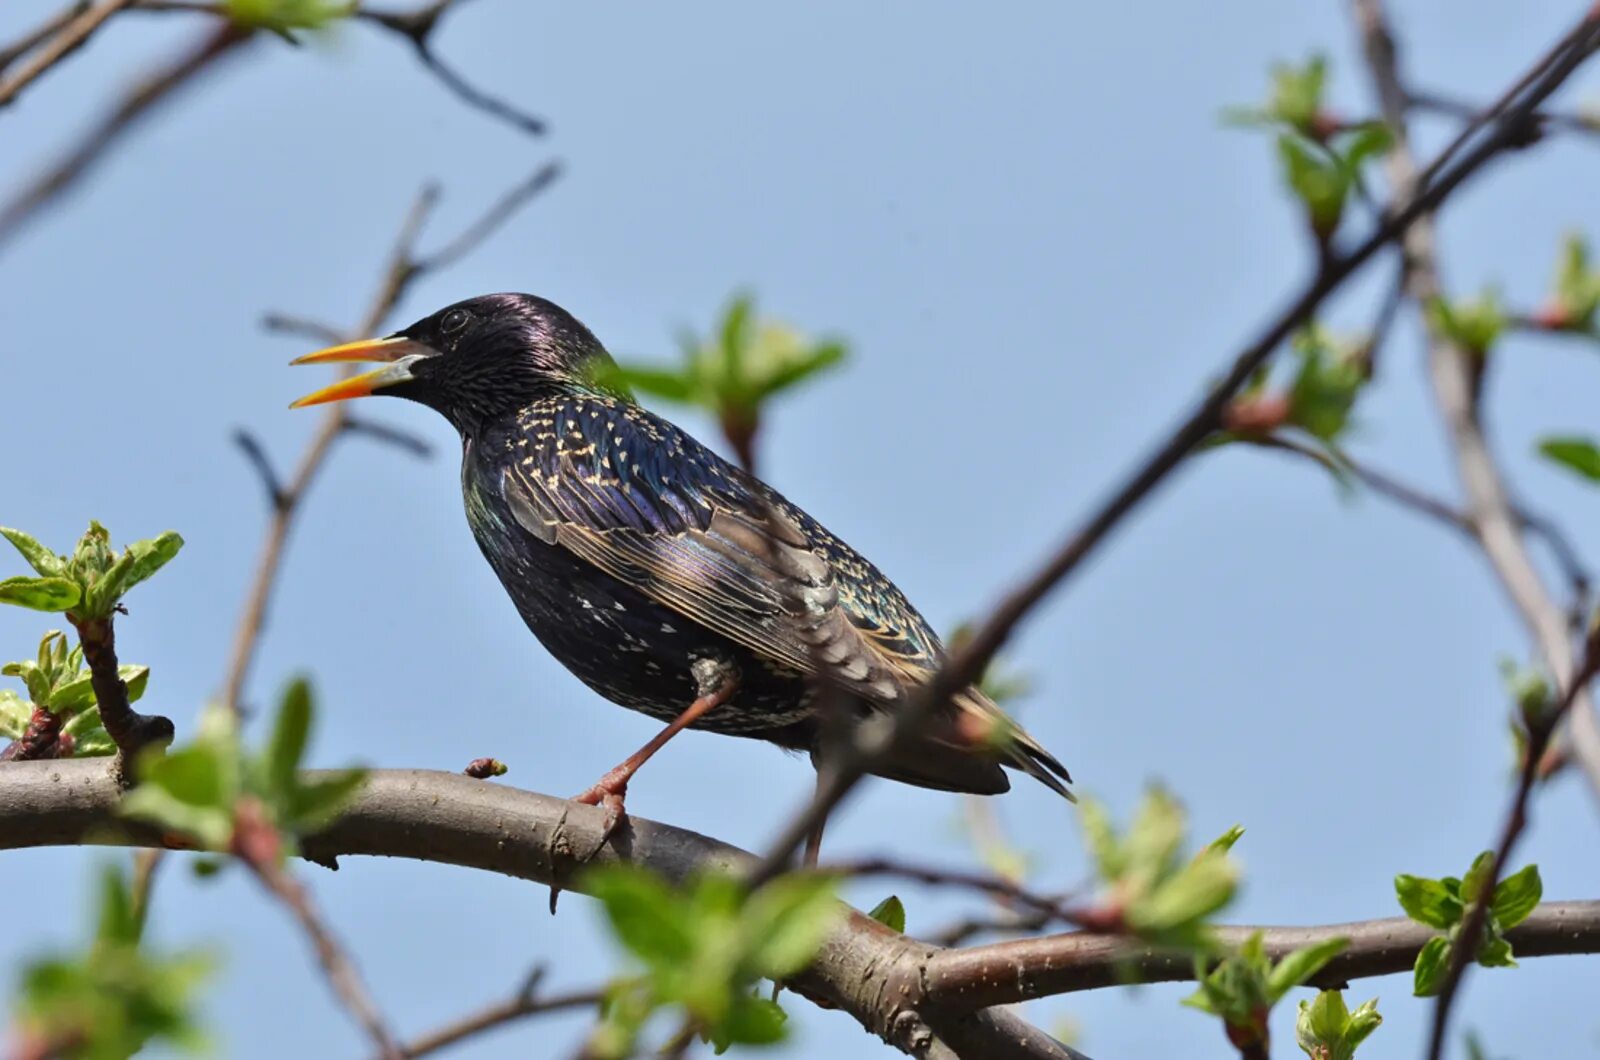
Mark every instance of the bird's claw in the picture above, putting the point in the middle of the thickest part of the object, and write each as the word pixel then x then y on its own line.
pixel 610 794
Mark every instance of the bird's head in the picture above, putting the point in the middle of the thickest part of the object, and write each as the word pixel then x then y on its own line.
pixel 475 360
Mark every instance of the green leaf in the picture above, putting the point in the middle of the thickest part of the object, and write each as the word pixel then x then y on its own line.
pixel 1473 325
pixel 1100 838
pixel 1515 897
pixel 41 559
pixel 660 382
pixel 1224 842
pixel 1187 897
pixel 1427 901
pixel 1321 1022
pixel 118 924
pixel 753 1021
pixel 14 715
pixel 138 562
pixel 1300 965
pixel 315 803
pixel 187 791
pixel 1577 286
pixel 289 735
pixel 1496 953
pixel 1363 1021
pixel 1319 179
pixel 786 921
pixel 1575 453
pixel 817 360
pixel 77 693
pixel 40 594
pixel 645 915
pixel 1427 976
pixel 891 913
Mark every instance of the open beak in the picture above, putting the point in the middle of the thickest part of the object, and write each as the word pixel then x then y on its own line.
pixel 397 354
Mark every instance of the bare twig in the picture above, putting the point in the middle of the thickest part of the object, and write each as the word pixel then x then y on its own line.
pixel 403 440
pixel 137 103
pixel 1050 908
pixel 415 26
pixel 253 452
pixel 145 865
pixel 404 267
pixel 41 33
pixel 1544 119
pixel 289 324
pixel 336 964
pixel 58 46
pixel 527 1001
pixel 1455 373
pixel 1464 948
pixel 490 220
pixel 873 742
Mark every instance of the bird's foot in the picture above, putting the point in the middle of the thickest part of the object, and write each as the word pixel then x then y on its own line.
pixel 609 793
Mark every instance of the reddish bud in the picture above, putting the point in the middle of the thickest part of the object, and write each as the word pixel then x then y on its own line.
pixel 1256 415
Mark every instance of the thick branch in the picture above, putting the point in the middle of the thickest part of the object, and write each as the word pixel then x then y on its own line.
pixel 864 968
pixel 1022 969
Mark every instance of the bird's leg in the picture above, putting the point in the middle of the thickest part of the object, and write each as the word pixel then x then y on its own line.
pixel 814 837
pixel 716 683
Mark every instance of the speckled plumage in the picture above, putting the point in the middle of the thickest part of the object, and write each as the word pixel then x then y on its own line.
pixel 631 550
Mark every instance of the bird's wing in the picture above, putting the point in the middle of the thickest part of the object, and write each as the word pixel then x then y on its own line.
pixel 647 504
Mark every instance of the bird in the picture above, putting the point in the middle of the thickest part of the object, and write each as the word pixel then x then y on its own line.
pixel 664 577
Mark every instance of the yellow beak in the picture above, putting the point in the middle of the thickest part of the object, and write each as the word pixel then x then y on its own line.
pixel 397 354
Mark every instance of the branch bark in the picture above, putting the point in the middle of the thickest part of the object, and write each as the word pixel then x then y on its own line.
pixel 924 1000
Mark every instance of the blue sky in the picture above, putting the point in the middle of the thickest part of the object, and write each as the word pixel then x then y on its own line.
pixel 1040 243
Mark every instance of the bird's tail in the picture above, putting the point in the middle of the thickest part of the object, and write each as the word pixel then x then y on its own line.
pixel 964 750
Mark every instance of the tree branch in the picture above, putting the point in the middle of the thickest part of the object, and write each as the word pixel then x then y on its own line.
pixel 403 268
pixel 57 45
pixel 136 104
pixel 1023 969
pixel 873 743
pixel 864 968
pixel 1455 373
pixel 910 993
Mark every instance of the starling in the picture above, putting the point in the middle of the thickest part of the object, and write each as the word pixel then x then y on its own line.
pixel 664 577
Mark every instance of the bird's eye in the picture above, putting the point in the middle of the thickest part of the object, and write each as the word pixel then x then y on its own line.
pixel 454 321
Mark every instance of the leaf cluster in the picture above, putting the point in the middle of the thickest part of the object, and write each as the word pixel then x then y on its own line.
pixel 115 997
pixel 702 948
pixel 1442 904
pixel 1243 987
pixel 1326 1029
pixel 58 682
pixel 92 581
pixel 1151 888
pixel 200 790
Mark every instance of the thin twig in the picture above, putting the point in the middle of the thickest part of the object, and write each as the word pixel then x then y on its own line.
pixel 41 33
pixel 404 267
pixel 253 452
pixel 336 965
pixel 1455 108
pixel 490 221
pixel 289 324
pixel 874 742
pixel 136 104
pixel 1053 909
pixel 58 46
pixel 415 26
pixel 145 865
pixel 526 1002
pixel 1456 374
pixel 1467 940
pixel 400 438
pixel 397 273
